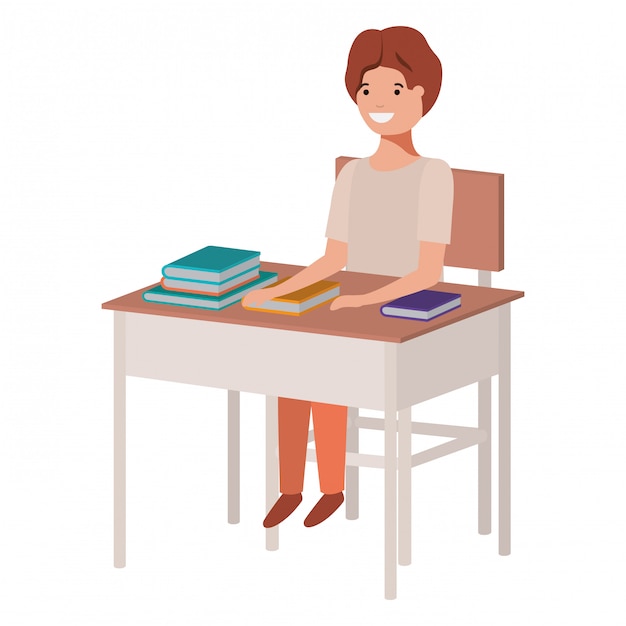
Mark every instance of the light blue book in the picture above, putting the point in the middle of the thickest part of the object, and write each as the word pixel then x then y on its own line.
pixel 208 288
pixel 200 301
pixel 212 264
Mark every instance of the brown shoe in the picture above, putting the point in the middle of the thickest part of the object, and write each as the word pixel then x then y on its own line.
pixel 282 509
pixel 325 507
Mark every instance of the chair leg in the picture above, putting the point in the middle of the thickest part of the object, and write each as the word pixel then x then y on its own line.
pixel 271 466
pixel 404 486
pixel 352 471
pixel 233 457
pixel 484 457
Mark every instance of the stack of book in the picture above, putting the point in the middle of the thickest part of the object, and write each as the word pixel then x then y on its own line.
pixel 210 278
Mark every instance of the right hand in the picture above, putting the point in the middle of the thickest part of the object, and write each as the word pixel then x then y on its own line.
pixel 258 297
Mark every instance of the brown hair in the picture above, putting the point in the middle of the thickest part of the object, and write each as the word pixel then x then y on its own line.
pixel 401 48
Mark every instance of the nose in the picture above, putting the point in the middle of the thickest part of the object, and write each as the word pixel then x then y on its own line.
pixel 380 106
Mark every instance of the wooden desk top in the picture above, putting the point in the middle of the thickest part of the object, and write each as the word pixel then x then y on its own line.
pixel 362 323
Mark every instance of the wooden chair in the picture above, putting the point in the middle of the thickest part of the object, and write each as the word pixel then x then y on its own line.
pixel 477 243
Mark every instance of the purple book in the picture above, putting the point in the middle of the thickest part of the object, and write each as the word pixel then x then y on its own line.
pixel 422 305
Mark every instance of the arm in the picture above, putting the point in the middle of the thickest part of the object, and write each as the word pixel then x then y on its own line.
pixel 426 275
pixel 334 259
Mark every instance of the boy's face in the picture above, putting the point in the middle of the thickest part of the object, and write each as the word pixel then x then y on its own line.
pixel 386 104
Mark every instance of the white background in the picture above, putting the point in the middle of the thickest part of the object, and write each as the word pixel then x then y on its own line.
pixel 132 133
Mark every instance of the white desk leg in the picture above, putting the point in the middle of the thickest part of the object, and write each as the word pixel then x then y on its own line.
pixel 484 448
pixel 404 486
pixel 484 457
pixel 391 472
pixel 504 413
pixel 233 457
pixel 271 466
pixel 352 472
pixel 119 439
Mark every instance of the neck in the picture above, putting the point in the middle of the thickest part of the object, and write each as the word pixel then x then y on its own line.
pixel 395 144
pixel 394 151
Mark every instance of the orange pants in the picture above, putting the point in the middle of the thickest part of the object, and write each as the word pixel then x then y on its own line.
pixel 329 426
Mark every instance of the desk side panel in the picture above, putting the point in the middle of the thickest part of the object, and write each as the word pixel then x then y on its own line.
pixel 338 370
pixel 448 359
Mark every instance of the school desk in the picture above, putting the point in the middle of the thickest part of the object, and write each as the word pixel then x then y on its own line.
pixel 354 357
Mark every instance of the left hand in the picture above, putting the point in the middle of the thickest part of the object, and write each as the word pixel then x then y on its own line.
pixel 343 302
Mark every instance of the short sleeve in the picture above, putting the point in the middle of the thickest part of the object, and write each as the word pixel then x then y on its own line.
pixel 436 195
pixel 337 226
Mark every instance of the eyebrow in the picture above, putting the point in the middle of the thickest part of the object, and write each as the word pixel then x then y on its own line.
pixel 367 85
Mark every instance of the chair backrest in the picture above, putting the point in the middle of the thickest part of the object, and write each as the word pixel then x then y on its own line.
pixel 477 240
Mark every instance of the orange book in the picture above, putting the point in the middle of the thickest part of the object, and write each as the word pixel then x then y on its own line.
pixel 302 300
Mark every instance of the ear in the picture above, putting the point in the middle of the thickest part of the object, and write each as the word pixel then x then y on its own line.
pixel 418 89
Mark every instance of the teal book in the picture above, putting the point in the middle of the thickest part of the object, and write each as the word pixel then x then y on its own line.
pixel 160 295
pixel 212 264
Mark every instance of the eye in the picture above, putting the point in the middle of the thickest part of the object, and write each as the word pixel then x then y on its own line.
pixel 366 92
pixel 397 92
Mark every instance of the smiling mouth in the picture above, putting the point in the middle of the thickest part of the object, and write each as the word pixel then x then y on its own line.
pixel 381 118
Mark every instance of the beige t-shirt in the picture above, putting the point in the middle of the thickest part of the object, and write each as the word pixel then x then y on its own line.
pixel 383 216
